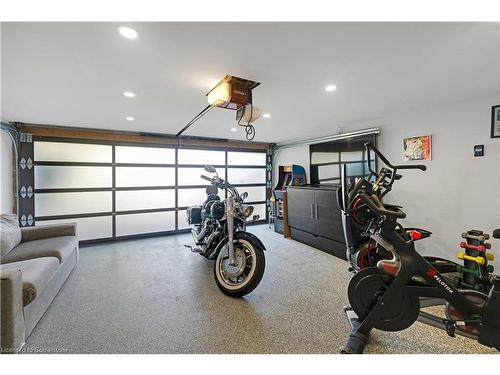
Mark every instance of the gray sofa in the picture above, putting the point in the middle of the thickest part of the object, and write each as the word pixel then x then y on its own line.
pixel 34 264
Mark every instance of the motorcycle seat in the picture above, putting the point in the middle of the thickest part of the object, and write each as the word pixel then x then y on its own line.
pixel 205 210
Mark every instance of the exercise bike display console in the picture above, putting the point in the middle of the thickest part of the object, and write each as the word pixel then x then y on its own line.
pixel 390 295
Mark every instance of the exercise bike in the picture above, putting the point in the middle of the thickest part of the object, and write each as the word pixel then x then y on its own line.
pixel 364 252
pixel 473 273
pixel 390 296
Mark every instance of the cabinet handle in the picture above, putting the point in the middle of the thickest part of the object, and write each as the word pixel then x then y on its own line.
pixel 317 211
pixel 312 210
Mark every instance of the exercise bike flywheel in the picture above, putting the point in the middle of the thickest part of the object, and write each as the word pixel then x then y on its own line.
pixel 367 287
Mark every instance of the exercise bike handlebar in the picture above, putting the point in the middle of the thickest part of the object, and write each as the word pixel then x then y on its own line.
pixel 378 207
pixel 370 146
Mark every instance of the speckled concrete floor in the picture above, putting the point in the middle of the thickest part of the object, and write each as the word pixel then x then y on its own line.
pixel 154 296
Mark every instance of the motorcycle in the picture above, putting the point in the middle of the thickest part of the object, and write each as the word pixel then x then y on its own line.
pixel 219 232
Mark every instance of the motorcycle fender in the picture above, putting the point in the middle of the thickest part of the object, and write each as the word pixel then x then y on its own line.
pixel 238 235
pixel 249 237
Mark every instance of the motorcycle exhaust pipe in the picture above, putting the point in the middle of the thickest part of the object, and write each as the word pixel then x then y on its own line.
pixel 199 236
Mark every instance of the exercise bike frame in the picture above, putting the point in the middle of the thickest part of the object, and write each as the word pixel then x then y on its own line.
pixel 413 264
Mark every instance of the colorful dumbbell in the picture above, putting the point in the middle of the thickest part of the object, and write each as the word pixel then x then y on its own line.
pixel 480 248
pixel 479 260
pixel 480 236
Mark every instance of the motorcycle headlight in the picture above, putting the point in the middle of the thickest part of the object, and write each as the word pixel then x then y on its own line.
pixel 247 210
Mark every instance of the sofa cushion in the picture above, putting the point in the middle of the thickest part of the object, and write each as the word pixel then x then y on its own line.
pixel 10 234
pixel 36 273
pixel 59 247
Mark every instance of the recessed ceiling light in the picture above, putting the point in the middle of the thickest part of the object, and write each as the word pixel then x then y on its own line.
pixel 129 94
pixel 330 88
pixel 266 115
pixel 129 118
pixel 233 129
pixel 128 32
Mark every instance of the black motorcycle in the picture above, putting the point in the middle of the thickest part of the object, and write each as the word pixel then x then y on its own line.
pixel 219 232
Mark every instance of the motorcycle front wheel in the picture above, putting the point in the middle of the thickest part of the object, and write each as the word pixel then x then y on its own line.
pixel 241 278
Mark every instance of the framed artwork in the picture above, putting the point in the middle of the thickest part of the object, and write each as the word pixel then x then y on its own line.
pixel 417 148
pixel 495 121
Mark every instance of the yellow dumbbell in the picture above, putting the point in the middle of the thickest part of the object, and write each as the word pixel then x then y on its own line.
pixel 479 260
pixel 489 256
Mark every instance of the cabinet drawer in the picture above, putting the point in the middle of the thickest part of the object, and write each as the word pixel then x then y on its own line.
pixel 332 247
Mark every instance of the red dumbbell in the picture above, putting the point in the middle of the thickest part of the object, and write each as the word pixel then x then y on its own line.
pixel 481 248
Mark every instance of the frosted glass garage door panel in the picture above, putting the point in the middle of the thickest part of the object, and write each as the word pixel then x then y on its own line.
pixel 144 199
pixel 53 177
pixel 246 158
pixel 192 197
pixel 192 176
pixel 328 171
pixel 50 204
pixel 182 220
pixel 144 155
pixel 144 176
pixel 72 152
pixel 260 209
pixel 255 193
pixel 87 228
pixel 145 223
pixel 355 169
pixel 352 156
pixel 246 176
pixel 187 156
pixel 324 157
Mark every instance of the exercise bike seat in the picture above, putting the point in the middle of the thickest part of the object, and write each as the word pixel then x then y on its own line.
pixel 392 206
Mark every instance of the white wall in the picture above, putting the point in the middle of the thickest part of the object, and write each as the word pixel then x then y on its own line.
pixel 458 191
pixel 6 201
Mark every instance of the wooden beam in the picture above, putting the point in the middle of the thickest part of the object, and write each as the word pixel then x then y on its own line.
pixel 135 137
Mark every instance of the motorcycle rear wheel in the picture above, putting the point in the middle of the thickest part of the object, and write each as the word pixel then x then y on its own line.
pixel 241 279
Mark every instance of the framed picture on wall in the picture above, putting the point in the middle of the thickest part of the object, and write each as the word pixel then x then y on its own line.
pixel 495 121
pixel 417 148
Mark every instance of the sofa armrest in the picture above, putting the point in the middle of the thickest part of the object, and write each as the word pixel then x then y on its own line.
pixel 12 311
pixel 47 231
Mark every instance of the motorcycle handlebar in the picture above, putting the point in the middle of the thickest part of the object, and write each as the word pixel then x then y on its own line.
pixel 221 184
pixel 207 178
pixel 374 203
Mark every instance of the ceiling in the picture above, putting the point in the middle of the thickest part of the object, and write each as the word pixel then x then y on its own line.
pixel 73 74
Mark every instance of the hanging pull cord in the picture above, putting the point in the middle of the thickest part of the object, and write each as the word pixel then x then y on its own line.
pixel 249 128
pixel 196 118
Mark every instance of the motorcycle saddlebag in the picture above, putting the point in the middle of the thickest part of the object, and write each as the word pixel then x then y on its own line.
pixel 194 215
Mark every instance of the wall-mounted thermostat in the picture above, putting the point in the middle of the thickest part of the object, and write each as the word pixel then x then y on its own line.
pixel 478 150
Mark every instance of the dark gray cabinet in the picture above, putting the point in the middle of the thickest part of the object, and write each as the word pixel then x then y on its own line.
pixel 315 219
pixel 301 211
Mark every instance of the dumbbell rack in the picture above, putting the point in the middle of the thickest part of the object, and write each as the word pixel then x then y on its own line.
pixel 475 270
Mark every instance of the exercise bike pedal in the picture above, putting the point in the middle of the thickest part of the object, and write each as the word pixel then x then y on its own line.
pixel 450 326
